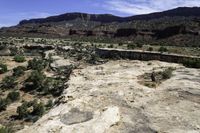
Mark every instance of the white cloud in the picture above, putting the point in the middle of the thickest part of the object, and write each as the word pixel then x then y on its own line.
pixel 133 7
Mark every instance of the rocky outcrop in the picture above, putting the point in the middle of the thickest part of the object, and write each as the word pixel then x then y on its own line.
pixel 108 99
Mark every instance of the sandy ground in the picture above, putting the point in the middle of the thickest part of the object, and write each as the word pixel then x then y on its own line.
pixel 108 99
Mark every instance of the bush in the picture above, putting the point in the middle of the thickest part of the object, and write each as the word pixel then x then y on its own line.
pixel 3 68
pixel 167 73
pixel 13 96
pixel 37 64
pixel 3 104
pixel 18 71
pixel 53 86
pixel 150 49
pixel 23 110
pixel 131 46
pixel 162 49
pixel 19 58
pixel 49 104
pixel 9 82
pixel 6 130
pixel 38 109
pixel 192 63
pixel 36 78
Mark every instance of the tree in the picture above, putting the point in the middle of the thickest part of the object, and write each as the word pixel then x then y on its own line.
pixel 18 71
pixel 150 49
pixel 9 82
pixel 19 58
pixel 3 68
pixel 167 73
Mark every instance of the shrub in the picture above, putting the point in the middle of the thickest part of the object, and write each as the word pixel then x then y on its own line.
pixel 49 104
pixel 23 110
pixel 9 82
pixel 18 71
pixel 3 104
pixel 37 64
pixel 3 68
pixel 38 109
pixel 139 45
pixel 150 49
pixel 131 46
pixel 6 130
pixel 191 63
pixel 19 58
pixel 13 96
pixel 162 49
pixel 167 73
pixel 36 78
pixel 53 86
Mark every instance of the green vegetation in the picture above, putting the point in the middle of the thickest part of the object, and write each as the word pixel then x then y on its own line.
pixel 38 82
pixel 36 79
pixel 6 130
pixel 9 82
pixel 19 58
pixel 3 104
pixel 3 68
pixel 131 46
pixel 192 63
pixel 18 71
pixel 37 64
pixel 150 49
pixel 24 111
pixel 166 74
pixel 13 96
pixel 162 49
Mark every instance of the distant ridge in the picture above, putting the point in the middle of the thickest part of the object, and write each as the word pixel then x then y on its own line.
pixel 108 18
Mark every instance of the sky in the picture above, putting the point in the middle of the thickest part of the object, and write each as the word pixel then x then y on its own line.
pixel 13 11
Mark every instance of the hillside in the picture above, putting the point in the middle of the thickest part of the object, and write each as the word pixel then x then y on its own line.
pixel 180 26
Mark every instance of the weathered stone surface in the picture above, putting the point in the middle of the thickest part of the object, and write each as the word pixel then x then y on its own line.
pixel 76 116
pixel 119 104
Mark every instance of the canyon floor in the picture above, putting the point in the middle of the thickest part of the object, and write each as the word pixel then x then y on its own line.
pixel 108 98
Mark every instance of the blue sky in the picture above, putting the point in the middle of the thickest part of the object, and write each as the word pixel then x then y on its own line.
pixel 12 11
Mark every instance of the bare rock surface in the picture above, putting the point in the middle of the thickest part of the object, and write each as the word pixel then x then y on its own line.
pixel 108 99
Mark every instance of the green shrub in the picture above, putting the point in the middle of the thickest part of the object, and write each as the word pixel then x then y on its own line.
pixel 53 86
pixel 3 68
pixel 162 49
pixel 191 63
pixel 36 78
pixel 13 96
pixel 49 104
pixel 6 130
pixel 38 109
pixel 19 58
pixel 23 110
pixel 150 49
pixel 18 71
pixel 37 64
pixel 3 104
pixel 131 46
pixel 166 74
pixel 9 82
